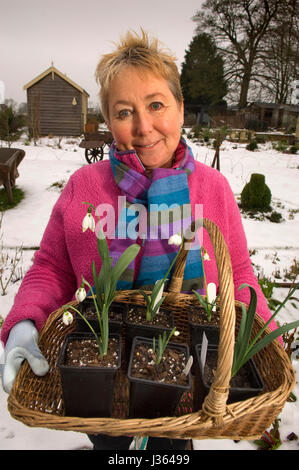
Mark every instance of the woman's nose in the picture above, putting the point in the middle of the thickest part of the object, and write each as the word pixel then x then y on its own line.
pixel 143 123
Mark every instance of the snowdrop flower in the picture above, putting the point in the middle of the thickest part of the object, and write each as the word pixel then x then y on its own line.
pixel 88 222
pixel 176 333
pixel 80 294
pixel 67 318
pixel 175 240
pixel 206 256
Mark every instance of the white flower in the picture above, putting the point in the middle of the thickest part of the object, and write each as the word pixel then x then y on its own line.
pixel 80 294
pixel 175 240
pixel 88 223
pixel 176 333
pixel 67 318
pixel 206 256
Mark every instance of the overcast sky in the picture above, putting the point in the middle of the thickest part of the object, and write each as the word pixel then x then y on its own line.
pixel 75 33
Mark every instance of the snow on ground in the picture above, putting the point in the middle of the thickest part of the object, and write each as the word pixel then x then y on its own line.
pixel 274 248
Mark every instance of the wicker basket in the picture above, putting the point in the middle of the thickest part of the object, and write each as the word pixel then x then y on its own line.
pixel 37 401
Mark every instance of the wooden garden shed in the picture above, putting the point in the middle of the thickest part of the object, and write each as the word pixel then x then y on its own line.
pixel 56 105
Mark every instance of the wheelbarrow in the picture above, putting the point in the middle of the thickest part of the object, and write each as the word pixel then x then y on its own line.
pixel 96 144
pixel 10 159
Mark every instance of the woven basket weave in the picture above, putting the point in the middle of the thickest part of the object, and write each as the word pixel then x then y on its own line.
pixel 37 401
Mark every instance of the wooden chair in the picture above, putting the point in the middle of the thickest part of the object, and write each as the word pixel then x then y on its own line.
pixel 10 158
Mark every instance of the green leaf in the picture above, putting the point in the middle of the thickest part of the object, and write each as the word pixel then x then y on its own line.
pixel 286 299
pixel 274 314
pixel 239 340
pixel 153 310
pixel 249 318
pixel 269 338
pixel 100 300
pixel 98 286
pixel 243 351
pixel 160 341
pixel 147 298
pixel 153 306
pixel 102 244
pixel 107 278
pixel 105 337
pixel 158 304
pixel 95 279
pixel 157 286
pixel 201 299
pixel 244 334
pixel 123 262
pixel 95 304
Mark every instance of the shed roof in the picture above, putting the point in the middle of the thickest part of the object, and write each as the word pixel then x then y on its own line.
pixel 53 69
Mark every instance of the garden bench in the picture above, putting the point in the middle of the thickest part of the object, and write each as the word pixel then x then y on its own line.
pixel 10 159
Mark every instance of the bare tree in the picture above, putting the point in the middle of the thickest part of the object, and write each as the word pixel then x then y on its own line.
pixel 279 59
pixel 238 27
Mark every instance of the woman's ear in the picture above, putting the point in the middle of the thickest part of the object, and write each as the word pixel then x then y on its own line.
pixel 182 113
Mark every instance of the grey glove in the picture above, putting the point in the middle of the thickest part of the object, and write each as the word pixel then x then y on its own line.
pixel 21 344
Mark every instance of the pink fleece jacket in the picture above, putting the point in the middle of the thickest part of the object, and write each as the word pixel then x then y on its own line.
pixel 66 254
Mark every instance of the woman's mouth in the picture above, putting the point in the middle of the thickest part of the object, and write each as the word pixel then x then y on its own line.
pixel 147 146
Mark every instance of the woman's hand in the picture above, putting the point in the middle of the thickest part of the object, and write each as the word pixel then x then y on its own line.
pixel 21 345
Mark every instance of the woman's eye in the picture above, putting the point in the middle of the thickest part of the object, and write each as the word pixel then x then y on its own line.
pixel 156 106
pixel 124 113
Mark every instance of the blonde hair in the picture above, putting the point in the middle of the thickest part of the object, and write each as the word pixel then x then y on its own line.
pixel 141 52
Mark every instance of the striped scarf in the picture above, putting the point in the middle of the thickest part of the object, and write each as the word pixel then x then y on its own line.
pixel 155 208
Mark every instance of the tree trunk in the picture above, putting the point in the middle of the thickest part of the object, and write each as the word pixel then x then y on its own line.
pixel 244 89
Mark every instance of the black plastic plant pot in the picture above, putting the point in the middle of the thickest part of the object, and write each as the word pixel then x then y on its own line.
pixel 149 399
pixel 248 379
pixel 87 307
pixel 144 330
pixel 87 391
pixel 196 330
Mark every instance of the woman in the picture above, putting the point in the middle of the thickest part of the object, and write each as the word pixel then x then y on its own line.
pixel 149 166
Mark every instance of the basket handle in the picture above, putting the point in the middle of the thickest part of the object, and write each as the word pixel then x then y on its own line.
pixel 215 403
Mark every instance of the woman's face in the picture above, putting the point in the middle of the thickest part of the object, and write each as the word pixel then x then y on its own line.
pixel 144 116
